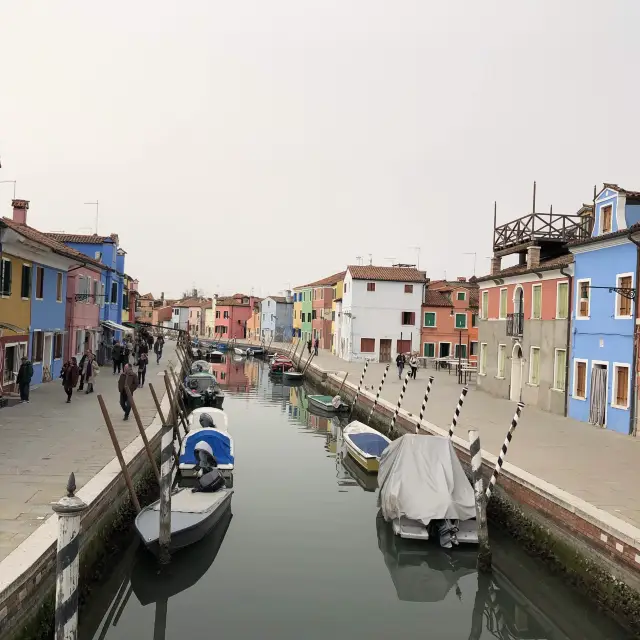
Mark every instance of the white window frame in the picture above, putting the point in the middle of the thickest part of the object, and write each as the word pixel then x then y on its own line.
pixel 504 362
pixel 33 341
pixel 506 304
pixel 485 305
pixel 614 385
pixel 533 288
pixel 574 381
pixel 558 300
pixel 455 323
pixel 601 218
pixel 464 296
pixel 435 320
pixel 531 349
pixel 30 265
pixel 424 344
pixel 477 353
pixel 445 342
pixel 555 370
pixel 577 299
pixel 2 263
pixel 482 371
pixel 616 315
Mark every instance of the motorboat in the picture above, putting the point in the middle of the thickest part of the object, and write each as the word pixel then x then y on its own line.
pixel 214 355
pixel 219 417
pixel 329 404
pixel 280 365
pixel 255 351
pixel 424 491
pixel 239 352
pixel 365 445
pixel 202 389
pixel 200 366
pixel 293 374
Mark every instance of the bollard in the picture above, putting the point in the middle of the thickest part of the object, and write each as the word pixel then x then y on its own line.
pixel 69 510
pixel 166 457
pixel 424 403
pixel 397 411
pixel 375 402
pixel 355 399
pixel 503 451
pixel 176 431
pixel 456 413
pixel 484 552
pixel 343 381
pixel 143 435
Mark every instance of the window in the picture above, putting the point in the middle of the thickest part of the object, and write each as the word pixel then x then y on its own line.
pixel 314 315
pixel 88 290
pixel 225 315
pixel 484 311
pixel 605 213
pixel 408 317
pixel 114 293
pixel 621 385
pixel 346 287
pixel 501 359
pixel 503 304
pixel 102 294
pixel 536 302
pixel 461 295
pixel 371 286
pixel 583 299
pixel 217 314
pixel 57 346
pixel 560 370
pixel 623 303
pixel 333 316
pixel 408 288
pixel 580 379
pixel 39 283
pixel 10 363
pixel 482 369
pixel 25 285
pixel 223 375
pixel 474 319
pixel 367 345
pixel 430 319
pixel 5 277
pixel 37 346
pixel 460 351
pixel 96 292
pixel 562 302
pixel 59 287
pixel 429 350
pixel 534 366
pixel 461 320
pixel 79 341
pixel 474 349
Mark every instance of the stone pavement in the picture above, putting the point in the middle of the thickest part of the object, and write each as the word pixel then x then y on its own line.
pixel 43 441
pixel 599 466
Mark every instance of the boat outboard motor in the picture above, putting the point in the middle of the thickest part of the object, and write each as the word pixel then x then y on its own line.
pixel 206 422
pixel 210 479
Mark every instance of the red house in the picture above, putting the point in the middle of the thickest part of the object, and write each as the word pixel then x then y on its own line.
pixel 232 314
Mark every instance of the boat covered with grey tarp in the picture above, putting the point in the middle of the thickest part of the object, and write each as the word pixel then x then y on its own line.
pixel 193 515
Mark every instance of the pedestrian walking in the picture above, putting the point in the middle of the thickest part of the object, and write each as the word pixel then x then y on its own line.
pixel 143 361
pixel 126 352
pixel 400 360
pixel 149 342
pixel 25 373
pixel 82 368
pixel 158 348
pixel 116 356
pixel 70 374
pixel 413 363
pixel 309 345
pixel 89 370
pixel 316 346
pixel 128 380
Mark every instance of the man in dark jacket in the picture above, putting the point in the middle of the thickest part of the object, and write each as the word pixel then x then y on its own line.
pixel 116 356
pixel 316 346
pixel 25 373
pixel 128 380
pixel 158 348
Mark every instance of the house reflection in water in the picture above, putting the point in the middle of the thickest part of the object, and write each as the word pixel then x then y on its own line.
pixel 231 375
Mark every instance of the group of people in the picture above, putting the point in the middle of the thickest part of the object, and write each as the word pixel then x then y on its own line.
pixel 86 372
pixel 401 361
pixel 315 344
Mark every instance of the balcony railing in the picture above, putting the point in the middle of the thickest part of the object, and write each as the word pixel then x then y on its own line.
pixel 515 324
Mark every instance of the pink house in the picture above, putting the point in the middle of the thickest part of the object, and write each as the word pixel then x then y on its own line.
pixel 232 314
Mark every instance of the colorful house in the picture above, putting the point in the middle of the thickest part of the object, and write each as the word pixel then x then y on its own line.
pixel 144 310
pixel 276 318
pixel 602 373
pixel 336 308
pixel 321 307
pixel 253 324
pixel 302 311
pixel 297 313
pixel 232 314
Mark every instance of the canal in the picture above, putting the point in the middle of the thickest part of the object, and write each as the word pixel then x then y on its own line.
pixel 302 554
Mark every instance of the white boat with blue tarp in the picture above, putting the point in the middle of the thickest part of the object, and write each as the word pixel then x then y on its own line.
pixel 365 445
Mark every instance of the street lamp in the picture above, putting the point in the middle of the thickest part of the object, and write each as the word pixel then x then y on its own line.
pixel 14 186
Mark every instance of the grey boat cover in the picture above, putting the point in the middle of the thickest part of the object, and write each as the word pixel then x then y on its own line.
pixel 421 478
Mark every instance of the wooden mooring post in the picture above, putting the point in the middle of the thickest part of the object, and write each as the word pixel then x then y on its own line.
pixel 424 404
pixel 69 509
pixel 355 399
pixel 166 467
pixel 143 435
pixel 343 381
pixel 176 431
pixel 503 451
pixel 399 403
pixel 484 551
pixel 456 413
pixel 375 402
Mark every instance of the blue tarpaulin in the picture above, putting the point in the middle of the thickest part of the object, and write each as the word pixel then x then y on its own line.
pixel 370 443
pixel 218 441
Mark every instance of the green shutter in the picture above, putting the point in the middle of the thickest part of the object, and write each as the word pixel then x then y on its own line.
pixel 429 350
pixel 461 320
pixel 429 319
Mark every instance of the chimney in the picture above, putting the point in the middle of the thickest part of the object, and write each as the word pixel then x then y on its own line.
pixel 533 257
pixel 495 265
pixel 20 208
pixel 461 279
pixel 194 293
pixel 162 296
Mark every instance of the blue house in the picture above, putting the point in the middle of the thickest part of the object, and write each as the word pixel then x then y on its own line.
pixel 602 372
pixel 276 318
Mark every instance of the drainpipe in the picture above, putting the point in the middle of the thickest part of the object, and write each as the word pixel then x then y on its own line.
pixel 566 366
pixel 633 427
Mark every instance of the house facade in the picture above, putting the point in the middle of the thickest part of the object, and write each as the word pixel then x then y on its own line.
pixel 336 307
pixel 145 306
pixel 602 373
pixel 180 317
pixel 253 324
pixel 322 295
pixel 232 314
pixel 306 309
pixel 276 319
pixel 380 314
pixel 297 313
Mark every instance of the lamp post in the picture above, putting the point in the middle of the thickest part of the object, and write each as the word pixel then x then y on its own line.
pixel 14 186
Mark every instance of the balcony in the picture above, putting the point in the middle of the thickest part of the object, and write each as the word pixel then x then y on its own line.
pixel 515 324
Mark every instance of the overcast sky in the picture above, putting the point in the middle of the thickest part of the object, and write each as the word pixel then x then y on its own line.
pixel 266 143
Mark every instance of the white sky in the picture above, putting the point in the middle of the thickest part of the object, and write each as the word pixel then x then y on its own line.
pixel 262 143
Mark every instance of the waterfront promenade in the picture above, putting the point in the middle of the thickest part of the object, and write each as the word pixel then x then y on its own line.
pixel 43 441
pixel 598 466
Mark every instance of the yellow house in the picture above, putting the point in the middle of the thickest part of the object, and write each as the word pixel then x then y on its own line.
pixel 337 297
pixel 297 312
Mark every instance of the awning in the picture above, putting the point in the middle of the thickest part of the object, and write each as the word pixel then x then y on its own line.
pixel 114 326
pixel 13 327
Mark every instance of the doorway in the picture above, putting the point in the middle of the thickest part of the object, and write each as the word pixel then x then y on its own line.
pixel 444 350
pixel 385 350
pixel 47 357
pixel 515 392
pixel 598 398
pixel 404 346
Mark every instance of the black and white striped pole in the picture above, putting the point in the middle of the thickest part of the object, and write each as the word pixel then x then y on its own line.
pixel 456 413
pixel 166 465
pixel 355 400
pixel 69 510
pixel 375 402
pixel 399 404
pixel 424 404
pixel 484 552
pixel 503 451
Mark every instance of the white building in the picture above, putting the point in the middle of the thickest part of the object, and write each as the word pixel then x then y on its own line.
pixel 180 317
pixel 380 313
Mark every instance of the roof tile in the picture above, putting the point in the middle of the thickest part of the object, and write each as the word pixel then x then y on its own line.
pixel 390 274
pixel 80 238
pixel 433 298
pixel 521 269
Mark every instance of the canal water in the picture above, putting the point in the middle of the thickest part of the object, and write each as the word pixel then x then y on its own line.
pixel 302 554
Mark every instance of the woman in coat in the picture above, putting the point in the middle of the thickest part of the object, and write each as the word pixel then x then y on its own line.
pixel 70 374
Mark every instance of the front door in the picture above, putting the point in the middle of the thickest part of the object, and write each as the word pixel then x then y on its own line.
pixel 404 346
pixel 385 350
pixel 598 399
pixel 516 374
pixel 47 357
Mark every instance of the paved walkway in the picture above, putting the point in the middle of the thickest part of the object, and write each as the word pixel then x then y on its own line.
pixel 599 466
pixel 43 441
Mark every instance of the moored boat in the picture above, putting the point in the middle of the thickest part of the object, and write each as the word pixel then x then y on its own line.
pixel 239 352
pixel 200 366
pixel 255 351
pixel 330 404
pixel 201 390
pixel 292 374
pixel 365 445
